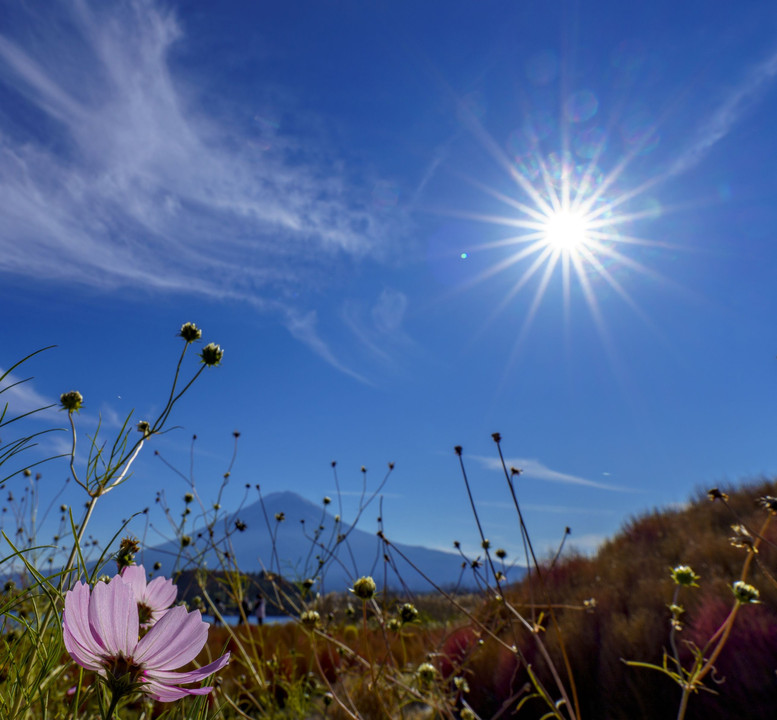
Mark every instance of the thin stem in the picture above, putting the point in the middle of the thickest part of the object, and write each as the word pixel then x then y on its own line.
pixel 573 711
pixel 124 472
pixel 366 644
pixel 684 703
pixel 483 543
pixel 73 452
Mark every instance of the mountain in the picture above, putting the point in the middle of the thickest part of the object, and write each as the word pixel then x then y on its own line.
pixel 307 538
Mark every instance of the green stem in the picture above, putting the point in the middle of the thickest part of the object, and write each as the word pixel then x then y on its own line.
pixel 114 702
pixel 366 643
pixel 684 702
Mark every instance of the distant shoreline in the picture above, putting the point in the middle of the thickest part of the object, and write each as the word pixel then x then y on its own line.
pixel 236 619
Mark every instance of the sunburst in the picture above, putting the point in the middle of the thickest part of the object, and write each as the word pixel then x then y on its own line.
pixel 570 221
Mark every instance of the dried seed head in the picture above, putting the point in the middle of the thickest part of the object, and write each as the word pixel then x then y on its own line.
pixel 71 401
pixel 426 673
pixel 211 354
pixel 743 539
pixel 310 619
pixel 364 588
pixel 408 613
pixel 744 593
pixel 769 503
pixel 684 575
pixel 190 332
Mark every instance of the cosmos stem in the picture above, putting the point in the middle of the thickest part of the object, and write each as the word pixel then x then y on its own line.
pixel 115 697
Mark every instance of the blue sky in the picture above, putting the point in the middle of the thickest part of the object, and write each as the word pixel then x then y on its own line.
pixel 360 202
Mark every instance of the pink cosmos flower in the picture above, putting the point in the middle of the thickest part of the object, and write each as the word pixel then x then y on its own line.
pixel 101 633
pixel 154 598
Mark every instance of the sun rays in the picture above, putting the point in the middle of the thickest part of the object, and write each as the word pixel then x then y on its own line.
pixel 573 225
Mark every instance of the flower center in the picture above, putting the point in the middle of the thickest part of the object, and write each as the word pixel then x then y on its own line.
pixel 144 614
pixel 123 674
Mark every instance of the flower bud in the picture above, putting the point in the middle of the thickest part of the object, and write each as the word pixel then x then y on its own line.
pixel 364 588
pixel 310 619
pixel 211 354
pixel 190 332
pixel 128 547
pixel 745 593
pixel 408 613
pixel 71 401
pixel 426 673
pixel 684 575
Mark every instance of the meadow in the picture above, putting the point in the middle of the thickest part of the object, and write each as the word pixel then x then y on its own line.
pixel 674 617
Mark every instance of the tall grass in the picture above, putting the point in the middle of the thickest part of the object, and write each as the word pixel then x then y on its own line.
pixel 674 617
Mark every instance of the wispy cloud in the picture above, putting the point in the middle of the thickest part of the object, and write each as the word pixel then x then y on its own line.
pixel 379 327
pixel 303 328
pixel 120 176
pixel 723 119
pixel 543 508
pixel 21 398
pixel 535 470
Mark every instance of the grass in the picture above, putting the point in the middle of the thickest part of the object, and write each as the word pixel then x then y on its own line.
pixel 676 616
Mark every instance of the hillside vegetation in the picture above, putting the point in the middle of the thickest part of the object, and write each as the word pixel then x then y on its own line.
pixel 617 609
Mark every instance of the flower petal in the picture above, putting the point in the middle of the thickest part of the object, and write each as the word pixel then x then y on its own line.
pixel 75 620
pixel 81 655
pixel 172 642
pixel 160 593
pixel 168 693
pixel 167 677
pixel 113 616
pixel 135 576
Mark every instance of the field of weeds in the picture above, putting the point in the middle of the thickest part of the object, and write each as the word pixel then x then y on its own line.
pixel 674 617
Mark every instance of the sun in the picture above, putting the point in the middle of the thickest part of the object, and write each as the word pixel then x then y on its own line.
pixel 566 231
pixel 568 222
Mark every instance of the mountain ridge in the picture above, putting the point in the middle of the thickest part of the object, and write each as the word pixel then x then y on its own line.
pixel 305 544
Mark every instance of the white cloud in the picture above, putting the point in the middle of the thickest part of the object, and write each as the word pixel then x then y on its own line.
pixel 303 328
pixel 535 470
pixel 120 175
pixel 380 327
pixel 545 508
pixel 727 114
pixel 22 398
pixel 389 311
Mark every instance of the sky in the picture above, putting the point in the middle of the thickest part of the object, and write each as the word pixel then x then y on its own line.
pixel 409 225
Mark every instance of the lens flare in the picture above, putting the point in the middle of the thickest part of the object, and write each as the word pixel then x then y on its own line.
pixel 569 222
